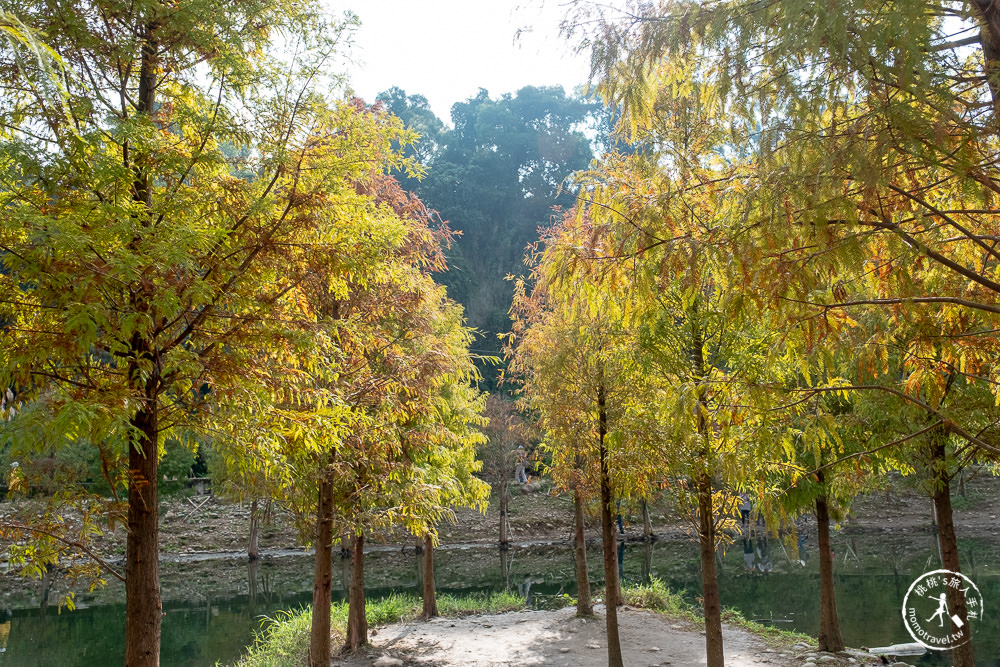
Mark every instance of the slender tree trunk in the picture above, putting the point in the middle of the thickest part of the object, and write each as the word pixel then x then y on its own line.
pixel 142 557
pixel 709 580
pixel 714 655
pixel 430 595
pixel 253 551
pixel 830 638
pixel 142 568
pixel 46 586
pixel 584 606
pixel 504 501
pixel 961 656
pixel 647 526
pixel 357 624
pixel 988 13
pixel 319 635
pixel 609 539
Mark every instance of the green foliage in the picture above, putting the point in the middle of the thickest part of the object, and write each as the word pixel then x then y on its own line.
pixel 495 177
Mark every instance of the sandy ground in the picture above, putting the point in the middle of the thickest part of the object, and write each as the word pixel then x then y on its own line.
pixel 558 638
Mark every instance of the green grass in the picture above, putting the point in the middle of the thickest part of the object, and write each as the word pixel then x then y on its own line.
pixel 655 596
pixel 972 498
pixel 478 603
pixel 771 634
pixel 284 641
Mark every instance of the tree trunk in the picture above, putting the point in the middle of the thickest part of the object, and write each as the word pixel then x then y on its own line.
pixel 647 526
pixel 988 13
pixel 46 587
pixel 714 655
pixel 253 551
pixel 142 568
pixel 504 499
pixel 319 635
pixel 430 596
pixel 584 606
pixel 709 581
pixel 357 624
pixel 142 556
pixel 961 656
pixel 609 539
pixel 830 638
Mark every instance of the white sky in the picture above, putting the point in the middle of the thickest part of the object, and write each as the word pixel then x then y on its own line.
pixel 446 50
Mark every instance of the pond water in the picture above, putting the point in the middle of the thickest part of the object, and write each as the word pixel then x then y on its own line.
pixel 212 608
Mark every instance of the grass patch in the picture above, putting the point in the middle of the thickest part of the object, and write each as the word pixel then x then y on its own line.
pixel 397 607
pixel 972 498
pixel 479 603
pixel 655 596
pixel 771 634
pixel 284 639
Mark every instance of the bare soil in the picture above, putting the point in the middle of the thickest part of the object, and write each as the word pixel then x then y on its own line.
pixel 199 525
pixel 559 638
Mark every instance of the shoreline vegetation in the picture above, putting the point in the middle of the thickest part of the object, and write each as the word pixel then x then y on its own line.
pixel 283 641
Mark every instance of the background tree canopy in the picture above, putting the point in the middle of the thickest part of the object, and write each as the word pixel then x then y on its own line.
pixel 495 177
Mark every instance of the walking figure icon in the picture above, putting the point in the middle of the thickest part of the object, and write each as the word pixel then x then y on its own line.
pixel 942 610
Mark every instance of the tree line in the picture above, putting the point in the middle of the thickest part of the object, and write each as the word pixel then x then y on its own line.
pixel 204 244
pixel 782 281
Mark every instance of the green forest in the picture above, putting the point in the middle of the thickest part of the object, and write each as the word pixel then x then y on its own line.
pixel 756 257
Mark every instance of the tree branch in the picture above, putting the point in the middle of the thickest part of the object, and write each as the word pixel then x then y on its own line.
pixel 70 543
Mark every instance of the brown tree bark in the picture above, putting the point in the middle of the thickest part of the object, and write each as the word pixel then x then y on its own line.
pixel 430 595
pixel 961 656
pixel 253 548
pixel 988 12
pixel 143 607
pixel 714 656
pixel 357 623
pixel 584 605
pixel 319 634
pixel 504 501
pixel 709 580
pixel 142 564
pixel 647 526
pixel 830 638
pixel 608 538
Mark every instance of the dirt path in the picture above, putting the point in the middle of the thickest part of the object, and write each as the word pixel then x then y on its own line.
pixel 560 639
